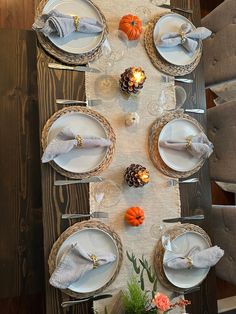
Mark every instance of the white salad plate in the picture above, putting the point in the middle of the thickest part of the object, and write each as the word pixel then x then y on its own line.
pixel 178 130
pixel 177 55
pixel 186 278
pixel 79 160
pixel 76 42
pixel 92 240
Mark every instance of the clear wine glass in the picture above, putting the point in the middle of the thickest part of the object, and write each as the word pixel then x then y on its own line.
pixel 157 230
pixel 115 46
pixel 113 49
pixel 177 247
pixel 158 106
pixel 106 193
pixel 162 232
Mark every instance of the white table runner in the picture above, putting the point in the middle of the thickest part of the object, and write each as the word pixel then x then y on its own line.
pixel 157 200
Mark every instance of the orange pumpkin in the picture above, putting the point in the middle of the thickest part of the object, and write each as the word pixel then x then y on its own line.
pixel 131 25
pixel 134 216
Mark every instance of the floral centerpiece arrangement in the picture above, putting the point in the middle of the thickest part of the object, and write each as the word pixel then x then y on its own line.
pixel 138 300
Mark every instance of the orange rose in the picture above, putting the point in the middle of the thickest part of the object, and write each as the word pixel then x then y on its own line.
pixel 162 302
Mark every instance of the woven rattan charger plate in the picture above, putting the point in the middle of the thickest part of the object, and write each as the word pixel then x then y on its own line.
pixel 67 57
pixel 159 252
pixel 80 226
pixel 109 132
pixel 154 133
pixel 158 61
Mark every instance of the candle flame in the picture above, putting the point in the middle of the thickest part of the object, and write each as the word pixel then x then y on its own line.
pixel 138 76
pixel 144 176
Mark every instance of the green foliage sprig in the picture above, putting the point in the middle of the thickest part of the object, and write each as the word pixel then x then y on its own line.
pixel 140 266
pixel 135 300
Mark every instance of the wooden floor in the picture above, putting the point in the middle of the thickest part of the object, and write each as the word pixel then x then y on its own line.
pixel 21 192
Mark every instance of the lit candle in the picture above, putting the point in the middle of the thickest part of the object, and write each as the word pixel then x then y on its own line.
pixel 144 176
pixel 139 75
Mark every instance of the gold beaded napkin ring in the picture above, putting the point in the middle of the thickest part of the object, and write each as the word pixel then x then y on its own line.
pixel 76 22
pixel 190 262
pixel 183 37
pixel 79 141
pixel 189 142
pixel 94 260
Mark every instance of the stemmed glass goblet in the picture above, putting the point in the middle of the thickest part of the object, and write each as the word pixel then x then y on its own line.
pixel 157 106
pixel 113 50
pixel 106 193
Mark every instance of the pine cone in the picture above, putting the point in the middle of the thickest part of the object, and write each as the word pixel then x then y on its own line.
pixel 136 175
pixel 127 81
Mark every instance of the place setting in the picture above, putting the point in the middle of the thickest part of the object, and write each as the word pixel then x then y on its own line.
pixel 174 44
pixel 183 257
pixel 85 260
pixel 68 36
pixel 78 142
pixel 178 145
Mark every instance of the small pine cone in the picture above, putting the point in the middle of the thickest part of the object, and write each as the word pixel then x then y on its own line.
pixel 136 175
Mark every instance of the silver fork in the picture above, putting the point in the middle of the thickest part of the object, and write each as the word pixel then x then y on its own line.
pixel 92 215
pixel 173 182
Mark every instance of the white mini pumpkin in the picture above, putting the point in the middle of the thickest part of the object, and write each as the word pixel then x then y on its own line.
pixel 132 119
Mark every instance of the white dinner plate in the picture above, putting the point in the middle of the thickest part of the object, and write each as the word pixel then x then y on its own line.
pixel 186 278
pixel 92 240
pixel 178 129
pixel 76 42
pixel 79 160
pixel 175 55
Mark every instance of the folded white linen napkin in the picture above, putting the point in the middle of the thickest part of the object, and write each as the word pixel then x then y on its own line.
pixel 66 140
pixel 74 263
pixel 198 145
pixel 186 37
pixel 62 25
pixel 196 258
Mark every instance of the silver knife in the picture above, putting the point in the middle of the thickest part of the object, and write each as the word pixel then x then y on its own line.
pixel 80 68
pixel 183 80
pixel 89 102
pixel 92 215
pixel 167 6
pixel 94 298
pixel 67 182
pixel 184 219
pixel 195 110
pixel 189 180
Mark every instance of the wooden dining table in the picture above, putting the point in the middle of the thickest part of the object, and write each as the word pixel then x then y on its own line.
pixel 195 199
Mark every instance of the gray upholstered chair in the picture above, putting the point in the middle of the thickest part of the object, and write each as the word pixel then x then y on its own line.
pixel 219 51
pixel 224 235
pixel 222 133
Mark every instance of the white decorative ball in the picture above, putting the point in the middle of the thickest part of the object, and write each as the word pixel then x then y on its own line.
pixel 132 119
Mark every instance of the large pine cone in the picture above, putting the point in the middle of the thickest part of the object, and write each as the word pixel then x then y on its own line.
pixel 136 175
pixel 127 81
